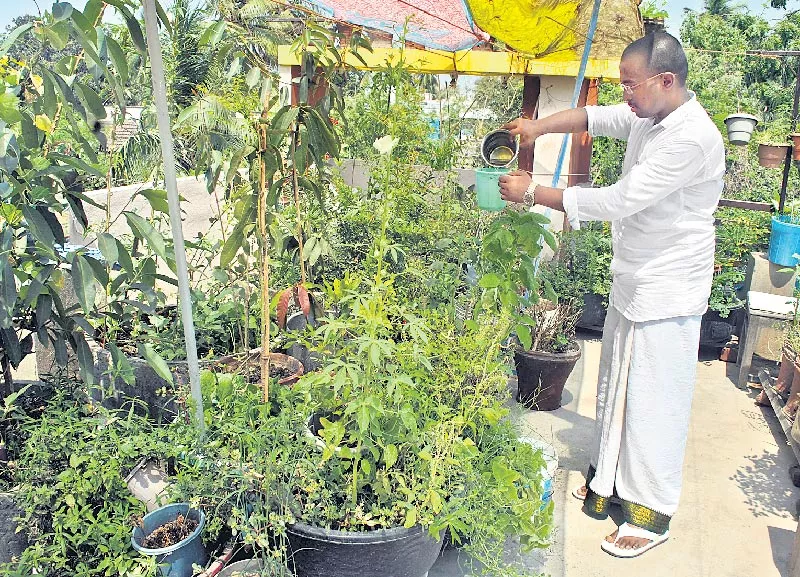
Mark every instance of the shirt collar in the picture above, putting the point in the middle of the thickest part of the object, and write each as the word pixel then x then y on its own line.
pixel 674 117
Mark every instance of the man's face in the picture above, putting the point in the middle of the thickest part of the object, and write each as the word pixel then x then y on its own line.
pixel 641 88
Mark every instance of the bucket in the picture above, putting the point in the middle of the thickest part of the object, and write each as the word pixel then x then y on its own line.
pixel 487 188
pixel 497 141
pixel 175 560
pixel 550 456
pixel 740 127
pixel 784 241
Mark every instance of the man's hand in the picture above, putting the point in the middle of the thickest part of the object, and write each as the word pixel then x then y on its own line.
pixel 513 185
pixel 525 128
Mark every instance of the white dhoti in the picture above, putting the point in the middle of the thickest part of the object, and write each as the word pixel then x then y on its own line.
pixel 644 398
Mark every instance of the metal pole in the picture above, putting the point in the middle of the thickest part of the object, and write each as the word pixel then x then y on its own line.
pixel 787 163
pixel 168 155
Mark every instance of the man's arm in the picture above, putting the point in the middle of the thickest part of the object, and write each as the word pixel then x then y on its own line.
pixel 571 120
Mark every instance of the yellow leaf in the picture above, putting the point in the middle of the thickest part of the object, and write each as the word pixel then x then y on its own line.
pixel 43 123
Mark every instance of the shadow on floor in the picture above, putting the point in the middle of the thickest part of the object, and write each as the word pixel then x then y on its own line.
pixel 781 541
pixel 767 469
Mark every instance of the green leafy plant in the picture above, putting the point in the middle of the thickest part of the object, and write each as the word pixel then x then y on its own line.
pixel 76 508
pixel 40 183
pixel 511 248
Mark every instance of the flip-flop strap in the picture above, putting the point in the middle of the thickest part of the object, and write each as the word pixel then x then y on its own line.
pixel 628 530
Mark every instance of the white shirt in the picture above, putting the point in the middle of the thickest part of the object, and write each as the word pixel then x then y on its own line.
pixel 661 210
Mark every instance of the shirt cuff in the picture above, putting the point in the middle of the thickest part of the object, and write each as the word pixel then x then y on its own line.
pixel 570 202
pixel 591 112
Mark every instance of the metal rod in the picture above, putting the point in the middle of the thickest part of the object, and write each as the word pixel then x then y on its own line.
pixel 168 155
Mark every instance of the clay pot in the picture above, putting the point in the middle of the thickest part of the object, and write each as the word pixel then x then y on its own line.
pixel 795 136
pixel 772 155
pixel 786 373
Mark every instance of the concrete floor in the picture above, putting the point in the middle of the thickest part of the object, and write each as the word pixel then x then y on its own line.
pixel 736 515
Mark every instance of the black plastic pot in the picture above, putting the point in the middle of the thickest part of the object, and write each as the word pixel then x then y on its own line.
pixel 397 552
pixel 593 313
pixel 541 377
pixel 12 544
pixel 716 331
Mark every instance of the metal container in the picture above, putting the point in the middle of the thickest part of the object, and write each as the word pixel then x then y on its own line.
pixel 499 148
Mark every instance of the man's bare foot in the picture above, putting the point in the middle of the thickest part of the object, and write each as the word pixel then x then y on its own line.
pixel 628 542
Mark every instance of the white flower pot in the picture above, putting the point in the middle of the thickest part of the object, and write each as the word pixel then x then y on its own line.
pixel 740 127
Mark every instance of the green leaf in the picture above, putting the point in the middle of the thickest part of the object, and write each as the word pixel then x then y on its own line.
pixel 108 247
pixel 85 357
pixel 490 280
pixel 77 209
pixel 39 226
pixel 136 33
pixel 253 77
pixel 144 230
pixel 157 199
pixel 13 36
pixel 91 101
pixel 84 282
pixel 524 336
pixel 122 365
pixel 57 35
pixel 125 259
pixel 213 34
pixel 155 360
pixel 118 59
pixel 411 518
pixel 78 164
pixel 10 342
pixel 61 11
pixel 44 308
pixel 390 455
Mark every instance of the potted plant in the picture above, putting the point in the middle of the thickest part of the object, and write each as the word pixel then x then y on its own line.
pixel 740 127
pixel 544 367
pixel 581 271
pixel 773 146
pixel 171 534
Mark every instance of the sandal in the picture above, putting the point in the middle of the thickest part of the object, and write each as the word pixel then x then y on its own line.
pixel 577 494
pixel 627 530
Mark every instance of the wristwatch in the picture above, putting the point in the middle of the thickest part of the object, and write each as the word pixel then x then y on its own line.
pixel 528 199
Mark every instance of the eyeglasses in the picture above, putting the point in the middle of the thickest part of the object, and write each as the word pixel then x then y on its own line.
pixel 629 89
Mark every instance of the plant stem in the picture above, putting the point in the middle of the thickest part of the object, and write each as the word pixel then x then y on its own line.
pixel 264 242
pixel 295 136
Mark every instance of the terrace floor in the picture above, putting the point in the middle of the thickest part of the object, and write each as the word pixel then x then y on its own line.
pixel 737 513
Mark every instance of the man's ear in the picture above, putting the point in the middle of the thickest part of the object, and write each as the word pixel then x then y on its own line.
pixel 668 80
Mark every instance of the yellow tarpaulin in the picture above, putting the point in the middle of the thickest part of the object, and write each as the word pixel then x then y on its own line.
pixel 557 30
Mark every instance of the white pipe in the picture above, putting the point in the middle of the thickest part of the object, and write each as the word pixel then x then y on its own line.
pixel 168 154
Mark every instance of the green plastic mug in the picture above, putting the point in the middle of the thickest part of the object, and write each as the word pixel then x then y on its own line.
pixel 487 188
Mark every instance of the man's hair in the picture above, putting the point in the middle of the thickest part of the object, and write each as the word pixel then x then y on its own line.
pixel 662 52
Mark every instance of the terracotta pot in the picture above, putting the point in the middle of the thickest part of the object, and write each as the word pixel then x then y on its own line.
pixel 786 373
pixel 772 155
pixel 795 136
pixel 235 363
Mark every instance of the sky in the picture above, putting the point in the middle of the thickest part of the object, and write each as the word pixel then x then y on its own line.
pixel 12 8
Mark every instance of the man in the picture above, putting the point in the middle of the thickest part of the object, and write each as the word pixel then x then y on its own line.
pixel 661 212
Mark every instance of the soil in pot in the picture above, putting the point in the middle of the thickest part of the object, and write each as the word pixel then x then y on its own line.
pixel 171 533
pixel 541 377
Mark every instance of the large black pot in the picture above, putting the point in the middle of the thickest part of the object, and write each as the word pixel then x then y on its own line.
pixel 716 331
pixel 541 377
pixel 593 313
pixel 397 552
pixel 12 544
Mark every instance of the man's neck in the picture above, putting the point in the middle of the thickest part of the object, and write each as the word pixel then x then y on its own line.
pixel 681 99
